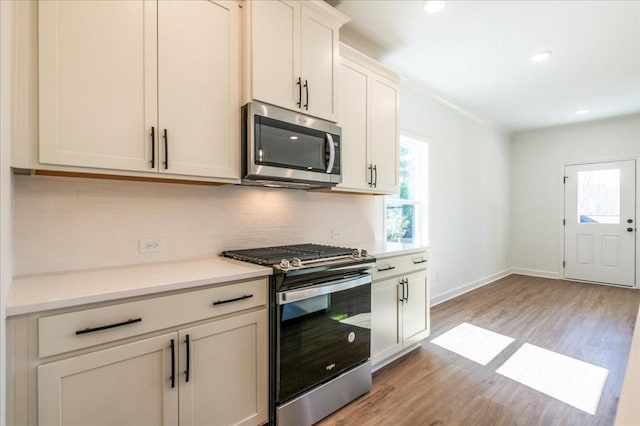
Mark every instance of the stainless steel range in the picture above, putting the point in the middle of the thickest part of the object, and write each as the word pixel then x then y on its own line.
pixel 320 316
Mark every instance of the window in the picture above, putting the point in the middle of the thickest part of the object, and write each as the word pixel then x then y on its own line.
pixel 599 196
pixel 406 212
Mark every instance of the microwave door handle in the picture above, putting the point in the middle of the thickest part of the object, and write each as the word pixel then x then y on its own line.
pixel 332 152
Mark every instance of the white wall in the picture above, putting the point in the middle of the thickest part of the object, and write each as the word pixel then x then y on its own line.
pixel 6 22
pixel 538 160
pixel 469 193
pixel 69 223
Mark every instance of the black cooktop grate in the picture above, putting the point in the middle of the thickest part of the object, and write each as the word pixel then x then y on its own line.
pixel 273 255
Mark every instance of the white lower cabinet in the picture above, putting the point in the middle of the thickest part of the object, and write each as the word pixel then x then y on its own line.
pixel 227 372
pixel 209 368
pixel 128 384
pixel 219 369
pixel 399 306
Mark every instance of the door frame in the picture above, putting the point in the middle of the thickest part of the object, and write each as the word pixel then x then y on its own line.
pixel 636 161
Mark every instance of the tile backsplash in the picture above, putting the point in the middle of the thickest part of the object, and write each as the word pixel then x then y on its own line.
pixel 63 224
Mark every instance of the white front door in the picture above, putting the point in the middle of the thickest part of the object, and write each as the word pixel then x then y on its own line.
pixel 600 222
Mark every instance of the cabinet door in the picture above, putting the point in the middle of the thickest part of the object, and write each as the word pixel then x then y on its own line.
pixel 125 385
pixel 415 313
pixel 227 372
pixel 275 49
pixel 318 54
pixel 199 88
pixel 384 134
pixel 353 121
pixel 385 319
pixel 97 83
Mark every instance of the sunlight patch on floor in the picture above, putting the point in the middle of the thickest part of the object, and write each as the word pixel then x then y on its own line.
pixel 567 379
pixel 474 343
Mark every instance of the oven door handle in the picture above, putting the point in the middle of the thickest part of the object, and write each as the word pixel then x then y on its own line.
pixel 322 289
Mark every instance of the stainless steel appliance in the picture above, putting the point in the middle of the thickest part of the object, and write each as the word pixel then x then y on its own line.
pixel 289 149
pixel 320 316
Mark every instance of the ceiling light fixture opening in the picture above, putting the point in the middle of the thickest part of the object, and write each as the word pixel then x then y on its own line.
pixel 582 111
pixel 541 56
pixel 434 6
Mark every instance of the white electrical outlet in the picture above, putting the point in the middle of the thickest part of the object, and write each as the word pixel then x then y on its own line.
pixel 150 245
pixel 336 234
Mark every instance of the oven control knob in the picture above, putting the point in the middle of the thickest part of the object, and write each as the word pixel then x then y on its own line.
pixel 351 337
pixel 355 253
pixel 363 253
pixel 296 262
pixel 285 264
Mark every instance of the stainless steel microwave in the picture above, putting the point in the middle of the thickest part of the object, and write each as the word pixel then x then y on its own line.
pixel 284 148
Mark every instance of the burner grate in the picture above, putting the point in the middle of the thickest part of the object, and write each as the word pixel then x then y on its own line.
pixel 273 255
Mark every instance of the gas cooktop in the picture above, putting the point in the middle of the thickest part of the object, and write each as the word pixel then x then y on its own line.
pixel 298 256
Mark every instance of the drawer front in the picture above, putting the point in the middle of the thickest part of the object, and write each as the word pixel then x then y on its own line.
pixel 76 330
pixel 399 265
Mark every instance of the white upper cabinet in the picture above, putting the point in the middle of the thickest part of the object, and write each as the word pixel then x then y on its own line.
pixel 98 79
pixel 368 116
pixel 144 86
pixel 198 87
pixel 292 55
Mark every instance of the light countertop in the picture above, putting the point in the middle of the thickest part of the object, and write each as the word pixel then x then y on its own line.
pixel 42 292
pixel 36 293
pixel 382 249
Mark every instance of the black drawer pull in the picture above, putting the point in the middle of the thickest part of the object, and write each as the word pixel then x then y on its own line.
pixel 222 302
pixel 388 268
pixel 106 327
pixel 415 262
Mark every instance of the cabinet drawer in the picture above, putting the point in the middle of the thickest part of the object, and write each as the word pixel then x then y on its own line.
pixel 399 265
pixel 80 329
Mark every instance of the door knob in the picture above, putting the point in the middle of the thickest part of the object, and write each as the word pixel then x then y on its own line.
pixel 629 229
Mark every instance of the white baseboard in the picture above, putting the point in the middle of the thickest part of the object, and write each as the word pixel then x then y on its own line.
pixel 436 300
pixel 536 273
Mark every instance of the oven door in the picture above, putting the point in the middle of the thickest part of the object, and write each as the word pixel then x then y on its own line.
pixel 323 330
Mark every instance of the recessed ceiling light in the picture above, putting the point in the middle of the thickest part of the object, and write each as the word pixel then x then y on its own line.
pixel 582 111
pixel 434 6
pixel 541 56
pixel 293 138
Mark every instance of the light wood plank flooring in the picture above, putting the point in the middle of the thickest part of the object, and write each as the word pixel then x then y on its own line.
pixel 432 386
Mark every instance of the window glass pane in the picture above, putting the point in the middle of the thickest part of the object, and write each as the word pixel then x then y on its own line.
pixel 401 223
pixel 409 160
pixel 599 196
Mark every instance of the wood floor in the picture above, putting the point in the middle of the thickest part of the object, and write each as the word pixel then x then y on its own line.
pixel 432 386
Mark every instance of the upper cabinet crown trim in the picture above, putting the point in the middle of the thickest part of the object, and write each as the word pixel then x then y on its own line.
pixel 352 54
pixel 321 7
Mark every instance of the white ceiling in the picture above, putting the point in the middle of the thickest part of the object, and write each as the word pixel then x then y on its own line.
pixel 475 54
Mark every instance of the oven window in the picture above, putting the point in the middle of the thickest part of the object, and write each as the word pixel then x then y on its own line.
pixel 321 337
pixel 282 144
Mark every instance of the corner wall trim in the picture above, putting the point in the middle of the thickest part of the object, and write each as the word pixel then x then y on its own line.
pixel 536 273
pixel 436 300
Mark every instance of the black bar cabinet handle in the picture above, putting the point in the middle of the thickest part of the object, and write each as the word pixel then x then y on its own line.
pixel 375 173
pixel 299 83
pixel 388 268
pixel 186 372
pixel 402 284
pixel 153 147
pixel 222 302
pixel 166 150
pixel 106 327
pixel 370 175
pixel 306 87
pixel 415 262
pixel 173 364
